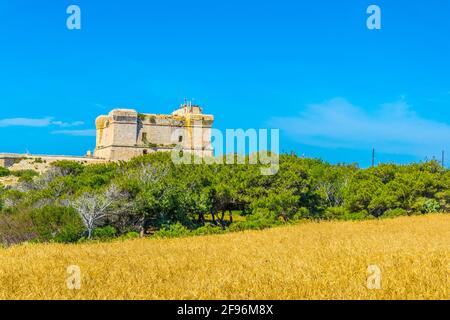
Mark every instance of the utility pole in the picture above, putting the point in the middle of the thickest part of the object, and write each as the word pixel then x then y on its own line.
pixel 373 157
pixel 443 158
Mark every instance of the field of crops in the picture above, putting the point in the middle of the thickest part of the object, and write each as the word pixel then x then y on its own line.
pixel 328 260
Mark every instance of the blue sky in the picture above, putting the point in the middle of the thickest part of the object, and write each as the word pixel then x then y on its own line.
pixel 310 68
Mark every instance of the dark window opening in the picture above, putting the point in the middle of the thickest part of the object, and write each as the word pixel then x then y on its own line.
pixel 144 136
pixel 180 139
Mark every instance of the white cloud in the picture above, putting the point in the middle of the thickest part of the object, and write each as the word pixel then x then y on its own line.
pixel 76 133
pixel 25 122
pixel 392 128
pixel 67 124
pixel 39 122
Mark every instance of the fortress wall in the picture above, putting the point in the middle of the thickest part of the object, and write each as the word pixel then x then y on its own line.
pixel 158 134
pixel 124 153
pixel 103 152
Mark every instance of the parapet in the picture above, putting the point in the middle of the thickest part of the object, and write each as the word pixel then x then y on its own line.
pixel 124 115
pixel 116 115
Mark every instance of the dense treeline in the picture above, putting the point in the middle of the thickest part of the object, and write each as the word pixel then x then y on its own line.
pixel 151 194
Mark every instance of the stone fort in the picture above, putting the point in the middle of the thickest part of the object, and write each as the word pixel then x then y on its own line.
pixel 124 134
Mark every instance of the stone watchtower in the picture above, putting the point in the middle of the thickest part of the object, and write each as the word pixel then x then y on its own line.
pixel 125 133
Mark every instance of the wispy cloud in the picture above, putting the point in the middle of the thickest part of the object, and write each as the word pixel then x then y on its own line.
pixel 37 122
pixel 76 133
pixel 67 124
pixel 25 122
pixel 392 128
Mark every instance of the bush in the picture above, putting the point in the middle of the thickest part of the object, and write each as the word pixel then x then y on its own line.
pixel 207 230
pixel 426 205
pixel 16 228
pixel 172 231
pixel 302 213
pixel 262 214
pixel 25 175
pixel 361 215
pixel 129 235
pixel 68 167
pixel 104 233
pixel 339 213
pixel 4 172
pixel 58 224
pixel 431 206
pixel 393 213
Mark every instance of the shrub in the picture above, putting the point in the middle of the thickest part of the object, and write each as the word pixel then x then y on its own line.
pixel 4 172
pixel 302 213
pixel 25 175
pixel 207 230
pixel 361 215
pixel 68 167
pixel 431 206
pixel 10 198
pixel 262 214
pixel 129 235
pixel 339 213
pixel 16 228
pixel 426 205
pixel 104 233
pixel 392 213
pixel 172 231
pixel 59 224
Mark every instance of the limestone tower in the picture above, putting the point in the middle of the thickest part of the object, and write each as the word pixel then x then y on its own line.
pixel 125 133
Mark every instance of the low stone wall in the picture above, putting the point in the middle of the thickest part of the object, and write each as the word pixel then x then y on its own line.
pixel 9 160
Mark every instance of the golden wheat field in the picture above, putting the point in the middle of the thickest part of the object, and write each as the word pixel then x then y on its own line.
pixel 307 261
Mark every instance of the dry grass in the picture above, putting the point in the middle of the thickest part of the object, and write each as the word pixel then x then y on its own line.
pixel 307 261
